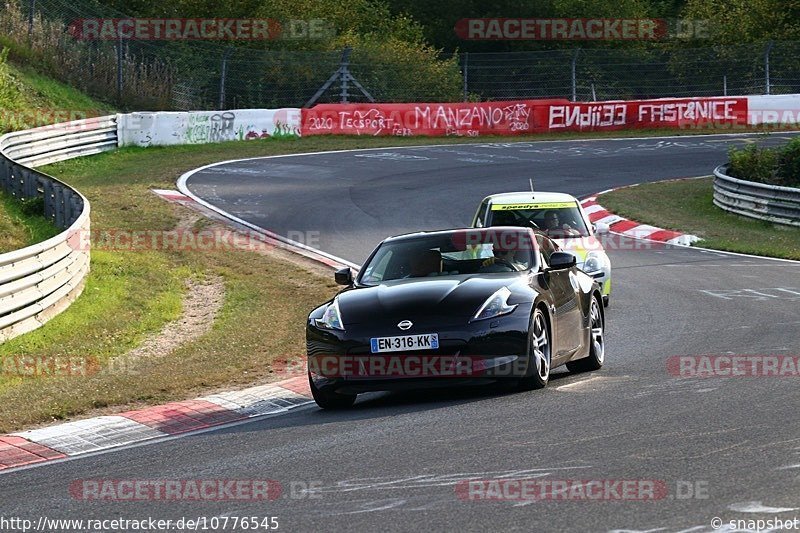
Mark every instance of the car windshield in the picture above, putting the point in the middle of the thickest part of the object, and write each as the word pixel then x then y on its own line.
pixel 558 220
pixel 456 253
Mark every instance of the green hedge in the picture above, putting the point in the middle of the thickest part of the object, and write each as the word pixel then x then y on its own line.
pixel 776 166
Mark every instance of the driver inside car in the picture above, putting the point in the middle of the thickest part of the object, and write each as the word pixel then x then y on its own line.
pixel 554 228
pixel 503 260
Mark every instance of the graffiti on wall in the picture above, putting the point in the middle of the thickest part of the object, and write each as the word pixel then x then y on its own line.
pixel 199 127
pixel 520 117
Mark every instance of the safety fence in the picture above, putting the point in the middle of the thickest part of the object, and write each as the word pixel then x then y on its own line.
pixel 40 281
pixel 773 203
pixel 189 74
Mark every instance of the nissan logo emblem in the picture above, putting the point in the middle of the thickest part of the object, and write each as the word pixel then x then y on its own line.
pixel 405 324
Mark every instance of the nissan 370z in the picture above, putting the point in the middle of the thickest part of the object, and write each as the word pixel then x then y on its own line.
pixel 455 307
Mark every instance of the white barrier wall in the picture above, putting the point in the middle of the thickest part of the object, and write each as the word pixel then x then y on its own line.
pixel 780 109
pixel 198 127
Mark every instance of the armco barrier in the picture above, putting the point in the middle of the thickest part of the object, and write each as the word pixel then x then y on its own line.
pixel 40 281
pixel 780 205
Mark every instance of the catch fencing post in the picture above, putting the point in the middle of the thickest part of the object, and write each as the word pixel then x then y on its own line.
pixel 766 65
pixel 223 75
pixel 574 75
pixel 119 68
pixel 31 11
pixel 344 68
pixel 466 70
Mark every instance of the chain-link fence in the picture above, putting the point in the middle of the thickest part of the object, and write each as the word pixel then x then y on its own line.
pixel 156 75
pixel 653 72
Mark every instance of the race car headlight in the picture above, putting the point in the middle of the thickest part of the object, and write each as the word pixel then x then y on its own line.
pixel 495 305
pixel 331 318
pixel 596 262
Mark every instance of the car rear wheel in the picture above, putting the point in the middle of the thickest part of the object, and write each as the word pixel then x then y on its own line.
pixel 539 350
pixel 330 400
pixel 597 343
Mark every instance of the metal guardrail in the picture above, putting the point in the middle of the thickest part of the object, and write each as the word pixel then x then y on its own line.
pixel 779 205
pixel 40 281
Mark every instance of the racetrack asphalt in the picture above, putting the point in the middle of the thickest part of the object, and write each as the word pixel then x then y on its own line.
pixel 394 462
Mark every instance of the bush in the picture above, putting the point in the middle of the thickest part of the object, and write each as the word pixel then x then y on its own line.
pixel 753 163
pixel 788 172
pixel 776 166
pixel 393 70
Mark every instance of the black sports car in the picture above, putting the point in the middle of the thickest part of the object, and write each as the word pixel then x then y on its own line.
pixel 455 307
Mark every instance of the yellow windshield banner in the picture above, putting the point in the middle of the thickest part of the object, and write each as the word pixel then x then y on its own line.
pixel 539 205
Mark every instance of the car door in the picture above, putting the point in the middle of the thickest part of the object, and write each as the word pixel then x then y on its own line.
pixel 565 290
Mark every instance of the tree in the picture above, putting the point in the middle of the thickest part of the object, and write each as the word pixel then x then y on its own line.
pixel 738 21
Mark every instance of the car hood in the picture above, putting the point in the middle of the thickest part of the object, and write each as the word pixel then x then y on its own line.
pixel 425 298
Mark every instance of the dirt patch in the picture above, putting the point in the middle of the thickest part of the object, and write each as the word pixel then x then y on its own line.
pixel 203 300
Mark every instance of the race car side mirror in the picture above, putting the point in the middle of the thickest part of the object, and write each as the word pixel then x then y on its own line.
pixel 600 228
pixel 562 261
pixel 344 276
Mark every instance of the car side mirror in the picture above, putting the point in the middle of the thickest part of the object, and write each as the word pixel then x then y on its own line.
pixel 344 276
pixel 562 261
pixel 600 228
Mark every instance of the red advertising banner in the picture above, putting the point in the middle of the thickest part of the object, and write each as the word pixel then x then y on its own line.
pixel 520 117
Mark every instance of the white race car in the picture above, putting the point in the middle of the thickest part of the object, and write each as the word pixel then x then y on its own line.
pixel 558 215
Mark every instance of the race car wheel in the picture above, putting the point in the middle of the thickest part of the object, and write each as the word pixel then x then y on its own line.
pixel 539 353
pixel 597 343
pixel 330 400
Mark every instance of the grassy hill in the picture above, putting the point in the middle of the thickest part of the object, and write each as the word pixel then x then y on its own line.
pixel 28 99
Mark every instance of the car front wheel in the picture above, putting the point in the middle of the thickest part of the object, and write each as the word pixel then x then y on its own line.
pixel 539 351
pixel 329 399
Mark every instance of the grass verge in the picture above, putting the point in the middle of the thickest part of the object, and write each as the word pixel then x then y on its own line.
pixel 686 206
pixel 130 295
pixel 20 226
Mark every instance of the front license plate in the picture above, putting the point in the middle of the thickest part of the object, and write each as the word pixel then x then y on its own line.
pixel 427 341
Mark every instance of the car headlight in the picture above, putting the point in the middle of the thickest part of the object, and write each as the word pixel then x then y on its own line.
pixel 596 262
pixel 331 318
pixel 495 305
